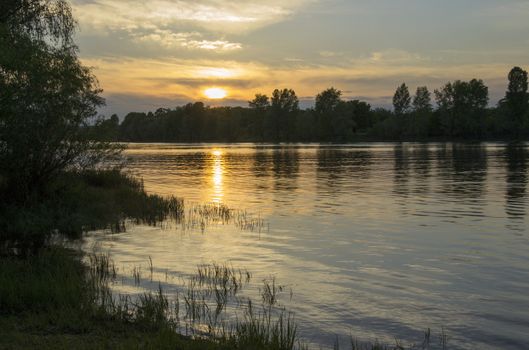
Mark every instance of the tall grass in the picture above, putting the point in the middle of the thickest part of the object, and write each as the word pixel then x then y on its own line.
pixel 77 202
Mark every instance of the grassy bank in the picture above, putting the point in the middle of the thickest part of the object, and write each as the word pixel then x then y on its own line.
pixel 53 300
pixel 52 297
pixel 76 202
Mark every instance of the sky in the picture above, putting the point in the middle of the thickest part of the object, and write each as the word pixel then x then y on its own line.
pixel 165 53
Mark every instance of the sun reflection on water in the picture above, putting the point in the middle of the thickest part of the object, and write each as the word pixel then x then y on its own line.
pixel 217 172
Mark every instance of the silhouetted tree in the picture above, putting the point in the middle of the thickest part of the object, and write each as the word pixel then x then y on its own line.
pixel 327 102
pixel 284 106
pixel 401 100
pixel 47 98
pixel 361 113
pixel 285 100
pixel 516 102
pixel 260 102
pixel 422 101
pixel 462 107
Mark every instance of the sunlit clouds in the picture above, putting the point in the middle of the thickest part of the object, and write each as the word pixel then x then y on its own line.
pixel 192 41
pixel 224 16
pixel 164 53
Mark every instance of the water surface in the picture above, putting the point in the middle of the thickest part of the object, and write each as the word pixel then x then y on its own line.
pixel 374 240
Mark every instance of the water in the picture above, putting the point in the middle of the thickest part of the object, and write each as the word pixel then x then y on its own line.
pixel 374 240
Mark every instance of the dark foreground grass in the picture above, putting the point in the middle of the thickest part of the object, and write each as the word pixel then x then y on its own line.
pixel 53 301
pixel 76 202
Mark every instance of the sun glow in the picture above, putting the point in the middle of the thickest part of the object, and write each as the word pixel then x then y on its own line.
pixel 215 93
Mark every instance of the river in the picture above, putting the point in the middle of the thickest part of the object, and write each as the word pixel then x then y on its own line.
pixel 373 240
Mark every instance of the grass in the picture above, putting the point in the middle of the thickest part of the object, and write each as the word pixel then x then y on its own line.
pixel 77 202
pixel 54 300
pixel 200 216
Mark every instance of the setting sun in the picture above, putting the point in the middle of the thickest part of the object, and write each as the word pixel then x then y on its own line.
pixel 215 93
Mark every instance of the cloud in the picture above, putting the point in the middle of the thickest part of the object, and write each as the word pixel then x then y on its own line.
pixel 165 77
pixel 167 83
pixel 227 16
pixel 329 54
pixel 189 40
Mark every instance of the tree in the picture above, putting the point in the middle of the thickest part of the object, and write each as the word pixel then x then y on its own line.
pixel 361 112
pixel 328 100
pixel 326 106
pixel 401 100
pixel 462 107
pixel 260 102
pixel 48 99
pixel 282 116
pixel 516 98
pixel 285 100
pixel 422 101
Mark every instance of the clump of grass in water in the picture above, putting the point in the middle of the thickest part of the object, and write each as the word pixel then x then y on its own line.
pixel 136 274
pixel 270 292
pixel 201 216
pixel 264 331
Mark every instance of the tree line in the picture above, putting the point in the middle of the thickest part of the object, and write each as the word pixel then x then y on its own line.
pixel 461 111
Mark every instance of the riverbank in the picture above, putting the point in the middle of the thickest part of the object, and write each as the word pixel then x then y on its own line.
pixel 54 297
pixel 51 297
pixel 53 300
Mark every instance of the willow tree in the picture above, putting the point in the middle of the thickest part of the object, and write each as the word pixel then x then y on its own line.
pixel 48 99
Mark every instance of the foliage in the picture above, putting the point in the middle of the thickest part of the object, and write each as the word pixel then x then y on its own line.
pixel 422 101
pixel 516 102
pixel 462 107
pixel 47 98
pixel 401 100
pixel 75 202
pixel 260 102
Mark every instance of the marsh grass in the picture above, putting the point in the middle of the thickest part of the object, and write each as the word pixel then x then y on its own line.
pixel 77 202
pixel 201 216
pixel 210 307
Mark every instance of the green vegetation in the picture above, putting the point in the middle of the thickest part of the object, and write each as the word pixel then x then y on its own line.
pixel 75 202
pixel 48 99
pixel 52 300
pixel 462 112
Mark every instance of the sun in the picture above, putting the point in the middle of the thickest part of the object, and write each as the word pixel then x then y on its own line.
pixel 215 93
